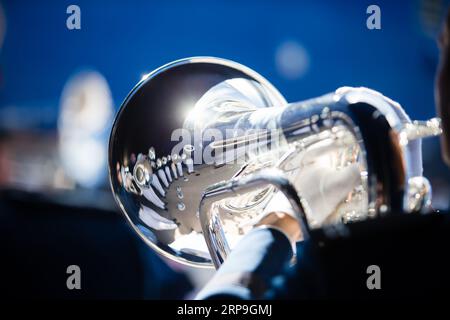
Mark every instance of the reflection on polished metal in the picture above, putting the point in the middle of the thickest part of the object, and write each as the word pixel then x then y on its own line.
pixel 218 147
pixel 210 218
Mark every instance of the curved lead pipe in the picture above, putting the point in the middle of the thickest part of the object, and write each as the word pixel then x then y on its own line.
pixel 212 230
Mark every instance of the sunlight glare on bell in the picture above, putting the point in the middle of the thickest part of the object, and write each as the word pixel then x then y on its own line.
pixel 156 173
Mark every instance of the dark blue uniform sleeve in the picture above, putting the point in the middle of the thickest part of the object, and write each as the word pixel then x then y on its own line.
pixel 250 268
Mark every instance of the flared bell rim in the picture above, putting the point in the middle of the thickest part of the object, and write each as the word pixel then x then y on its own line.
pixel 275 96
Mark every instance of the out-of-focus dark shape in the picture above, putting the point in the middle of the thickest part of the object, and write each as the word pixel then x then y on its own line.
pixel 39 239
pixel 431 16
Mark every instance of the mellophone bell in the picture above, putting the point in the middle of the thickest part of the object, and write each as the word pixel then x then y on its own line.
pixel 202 148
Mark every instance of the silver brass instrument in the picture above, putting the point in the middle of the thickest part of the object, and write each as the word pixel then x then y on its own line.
pixel 202 148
